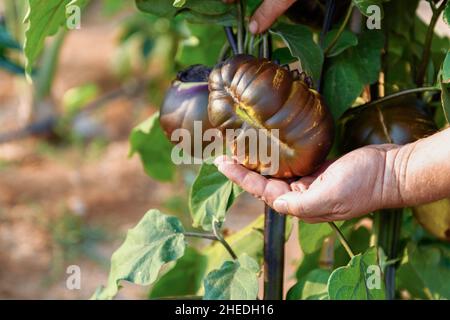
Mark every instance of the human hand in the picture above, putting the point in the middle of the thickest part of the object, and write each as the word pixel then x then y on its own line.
pixel 355 184
pixel 266 14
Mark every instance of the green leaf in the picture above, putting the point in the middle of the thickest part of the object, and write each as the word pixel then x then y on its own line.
pixel 235 280
pixel 349 72
pixel 447 13
pixel 446 68
pixel 211 195
pixel 311 236
pixel 346 40
pixel 149 141
pixel 359 241
pixel 357 281
pixel 44 18
pixel 161 8
pixel 425 271
pixel 445 99
pixel 203 46
pixel 184 279
pixel 198 11
pixel 248 240
pixel 155 241
pixel 179 3
pixel 311 287
pixel 283 55
pixel 362 5
pixel 299 40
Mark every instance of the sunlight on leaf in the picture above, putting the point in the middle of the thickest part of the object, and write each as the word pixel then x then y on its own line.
pixel 156 240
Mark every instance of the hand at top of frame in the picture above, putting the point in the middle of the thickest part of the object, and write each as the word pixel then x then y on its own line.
pixel 266 14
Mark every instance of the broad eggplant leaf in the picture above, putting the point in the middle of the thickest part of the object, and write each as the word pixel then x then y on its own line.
pixel 197 11
pixel 349 72
pixel 44 18
pixel 299 40
pixel 425 271
pixel 235 280
pixel 184 279
pixel 149 141
pixel 156 240
pixel 346 40
pixel 360 280
pixel 446 68
pixel 311 236
pixel 203 47
pixel 179 3
pixel 211 195
pixel 248 240
pixel 359 241
pixel 311 287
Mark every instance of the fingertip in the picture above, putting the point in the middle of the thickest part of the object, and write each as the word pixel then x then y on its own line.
pixel 253 26
pixel 281 205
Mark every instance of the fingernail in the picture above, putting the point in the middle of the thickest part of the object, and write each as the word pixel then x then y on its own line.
pixel 280 205
pixel 253 26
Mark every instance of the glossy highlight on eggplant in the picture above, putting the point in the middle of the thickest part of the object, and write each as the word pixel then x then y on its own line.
pixel 186 101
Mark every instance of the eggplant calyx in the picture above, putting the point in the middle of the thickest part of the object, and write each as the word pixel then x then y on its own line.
pixel 194 73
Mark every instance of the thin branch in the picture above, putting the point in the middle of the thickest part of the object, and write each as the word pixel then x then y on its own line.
pixel 403 93
pixel 200 235
pixel 340 30
pixel 342 239
pixel 266 49
pixel 240 22
pixel 231 39
pixel 420 78
pixel 222 240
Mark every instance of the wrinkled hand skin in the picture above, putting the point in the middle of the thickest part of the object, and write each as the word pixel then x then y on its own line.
pixel 250 93
pixel 339 190
pixel 366 179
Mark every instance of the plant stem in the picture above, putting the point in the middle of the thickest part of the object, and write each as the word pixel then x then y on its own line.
pixel 224 51
pixel 340 30
pixel 231 39
pixel 266 49
pixel 403 93
pixel 274 239
pixel 240 22
pixel 220 238
pixel 389 226
pixel 420 78
pixel 200 235
pixel 342 239
pixel 329 13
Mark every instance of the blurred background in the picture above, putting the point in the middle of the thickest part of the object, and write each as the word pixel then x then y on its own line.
pixel 68 188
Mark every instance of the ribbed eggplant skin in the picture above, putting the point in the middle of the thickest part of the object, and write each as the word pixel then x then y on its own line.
pixel 251 93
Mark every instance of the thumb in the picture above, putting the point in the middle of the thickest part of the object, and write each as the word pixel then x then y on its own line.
pixel 303 204
pixel 267 13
